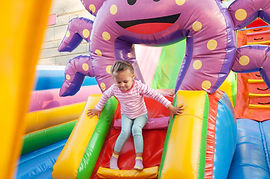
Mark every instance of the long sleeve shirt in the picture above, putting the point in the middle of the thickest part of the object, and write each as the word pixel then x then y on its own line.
pixel 132 101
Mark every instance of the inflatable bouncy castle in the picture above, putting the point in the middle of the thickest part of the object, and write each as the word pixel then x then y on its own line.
pixel 195 143
pixel 206 141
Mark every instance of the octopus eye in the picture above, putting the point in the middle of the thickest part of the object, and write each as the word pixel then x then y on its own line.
pixel 156 0
pixel 131 2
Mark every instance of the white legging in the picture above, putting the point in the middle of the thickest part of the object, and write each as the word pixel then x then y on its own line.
pixel 134 125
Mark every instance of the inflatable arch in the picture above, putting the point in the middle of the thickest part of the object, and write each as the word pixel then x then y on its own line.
pixel 209 29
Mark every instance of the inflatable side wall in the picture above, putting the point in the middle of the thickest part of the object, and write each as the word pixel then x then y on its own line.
pixel 196 138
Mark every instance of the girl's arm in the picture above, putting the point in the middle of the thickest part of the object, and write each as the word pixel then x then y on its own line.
pixel 146 90
pixel 104 98
pixel 159 97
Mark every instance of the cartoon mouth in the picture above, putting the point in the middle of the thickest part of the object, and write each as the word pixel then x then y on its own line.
pixel 149 26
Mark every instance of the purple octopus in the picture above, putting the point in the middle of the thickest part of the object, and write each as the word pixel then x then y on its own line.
pixel 208 26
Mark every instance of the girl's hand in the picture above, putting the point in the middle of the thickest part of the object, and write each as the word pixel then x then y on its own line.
pixel 176 110
pixel 93 112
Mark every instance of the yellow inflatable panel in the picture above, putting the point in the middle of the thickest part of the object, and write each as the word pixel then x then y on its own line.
pixel 227 86
pixel 183 150
pixel 47 118
pixel 23 24
pixel 151 172
pixel 70 158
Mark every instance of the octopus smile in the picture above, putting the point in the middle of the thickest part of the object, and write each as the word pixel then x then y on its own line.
pixel 149 26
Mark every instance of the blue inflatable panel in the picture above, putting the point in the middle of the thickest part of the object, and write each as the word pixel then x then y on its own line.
pixel 54 78
pixel 266 130
pixel 251 158
pixel 225 139
pixel 39 164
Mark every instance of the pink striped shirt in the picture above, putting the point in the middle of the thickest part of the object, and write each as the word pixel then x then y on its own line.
pixel 132 101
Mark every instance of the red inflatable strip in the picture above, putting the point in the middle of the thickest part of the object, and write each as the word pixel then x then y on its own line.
pixel 211 132
pixel 257 23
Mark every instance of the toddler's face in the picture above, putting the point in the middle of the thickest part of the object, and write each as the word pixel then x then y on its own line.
pixel 124 79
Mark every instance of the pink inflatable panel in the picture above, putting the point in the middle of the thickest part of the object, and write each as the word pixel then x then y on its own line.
pixel 152 123
pixel 46 99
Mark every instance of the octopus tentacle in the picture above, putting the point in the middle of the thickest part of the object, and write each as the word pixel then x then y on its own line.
pixel 126 51
pixel 76 70
pixel 92 6
pixel 102 62
pixel 253 58
pixel 105 48
pixel 78 29
pixel 209 53
pixel 244 11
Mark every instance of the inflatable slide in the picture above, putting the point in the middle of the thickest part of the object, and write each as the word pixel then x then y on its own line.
pixel 195 151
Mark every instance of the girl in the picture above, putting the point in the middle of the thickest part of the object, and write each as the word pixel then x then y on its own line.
pixel 130 94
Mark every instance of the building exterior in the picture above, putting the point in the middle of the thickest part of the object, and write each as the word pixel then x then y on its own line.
pixel 61 13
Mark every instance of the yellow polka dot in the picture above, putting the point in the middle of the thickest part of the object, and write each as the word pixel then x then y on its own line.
pixel 67 34
pixel 212 44
pixel 102 86
pixel 85 67
pixel 197 64
pixel 108 69
pixel 98 52
pixel 106 36
pixel 86 33
pixel 113 9
pixel 206 84
pixel 92 8
pixel 241 14
pixel 180 2
pixel 244 60
pixel 67 77
pixel 129 55
pixel 196 26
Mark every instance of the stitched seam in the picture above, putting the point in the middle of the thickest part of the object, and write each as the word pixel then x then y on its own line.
pixel 264 143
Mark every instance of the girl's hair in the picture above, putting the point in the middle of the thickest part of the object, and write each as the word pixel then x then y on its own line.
pixel 121 66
